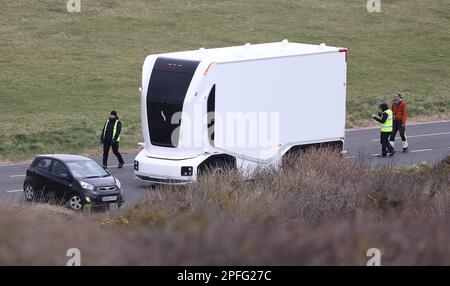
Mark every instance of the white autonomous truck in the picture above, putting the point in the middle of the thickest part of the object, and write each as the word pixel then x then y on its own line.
pixel 238 107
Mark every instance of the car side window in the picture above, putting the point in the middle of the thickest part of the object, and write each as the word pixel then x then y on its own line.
pixel 44 165
pixel 59 169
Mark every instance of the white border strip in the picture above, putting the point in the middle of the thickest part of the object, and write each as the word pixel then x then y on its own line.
pixel 421 135
pixel 421 150
pixel 413 124
pixel 14 191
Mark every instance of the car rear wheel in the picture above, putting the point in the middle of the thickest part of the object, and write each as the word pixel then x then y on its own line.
pixel 75 202
pixel 29 193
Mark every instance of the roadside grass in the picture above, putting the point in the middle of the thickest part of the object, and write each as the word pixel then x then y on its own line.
pixel 321 209
pixel 62 73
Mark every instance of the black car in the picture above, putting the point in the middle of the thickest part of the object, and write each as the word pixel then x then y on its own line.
pixel 74 180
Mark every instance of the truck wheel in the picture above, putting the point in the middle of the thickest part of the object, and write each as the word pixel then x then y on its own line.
pixel 218 167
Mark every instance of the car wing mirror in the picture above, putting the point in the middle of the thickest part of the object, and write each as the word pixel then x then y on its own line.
pixel 64 176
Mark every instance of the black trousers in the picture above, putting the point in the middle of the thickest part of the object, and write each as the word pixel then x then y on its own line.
pixel 115 148
pixel 397 127
pixel 385 146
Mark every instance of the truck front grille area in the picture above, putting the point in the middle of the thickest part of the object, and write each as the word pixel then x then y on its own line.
pixel 161 181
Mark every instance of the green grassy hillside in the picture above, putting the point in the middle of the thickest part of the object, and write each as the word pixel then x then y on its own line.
pixel 61 73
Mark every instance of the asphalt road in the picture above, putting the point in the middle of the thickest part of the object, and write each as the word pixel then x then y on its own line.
pixel 429 142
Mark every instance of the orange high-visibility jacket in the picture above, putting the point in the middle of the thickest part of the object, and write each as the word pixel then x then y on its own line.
pixel 399 111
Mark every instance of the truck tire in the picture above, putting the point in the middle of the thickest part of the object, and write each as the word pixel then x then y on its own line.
pixel 215 167
pixel 218 167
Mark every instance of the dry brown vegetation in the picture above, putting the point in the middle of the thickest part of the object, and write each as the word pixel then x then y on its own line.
pixel 320 209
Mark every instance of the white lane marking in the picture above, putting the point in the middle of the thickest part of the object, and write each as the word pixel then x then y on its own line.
pixel 412 151
pixel 14 191
pixel 23 175
pixel 428 123
pixel 28 164
pixel 421 135
pixel 421 150
pixel 125 165
pixel 430 134
pixel 16 176
pixel 11 165
pixel 413 124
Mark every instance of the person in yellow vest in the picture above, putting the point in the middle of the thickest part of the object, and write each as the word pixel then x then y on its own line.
pixel 110 138
pixel 385 117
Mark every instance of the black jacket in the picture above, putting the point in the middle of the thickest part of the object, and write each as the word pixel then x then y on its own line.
pixel 107 134
pixel 383 116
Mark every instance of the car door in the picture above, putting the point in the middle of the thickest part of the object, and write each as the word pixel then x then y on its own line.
pixel 61 180
pixel 42 176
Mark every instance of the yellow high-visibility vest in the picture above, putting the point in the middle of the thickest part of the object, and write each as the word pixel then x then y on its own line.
pixel 387 125
pixel 114 130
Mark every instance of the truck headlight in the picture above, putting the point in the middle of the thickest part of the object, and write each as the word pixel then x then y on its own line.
pixel 87 186
pixel 118 184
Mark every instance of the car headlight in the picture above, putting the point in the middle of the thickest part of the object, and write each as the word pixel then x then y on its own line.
pixel 87 186
pixel 118 184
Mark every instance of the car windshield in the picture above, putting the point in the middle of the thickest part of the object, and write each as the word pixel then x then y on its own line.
pixel 86 169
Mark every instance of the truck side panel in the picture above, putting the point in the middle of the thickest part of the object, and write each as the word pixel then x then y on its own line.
pixel 308 94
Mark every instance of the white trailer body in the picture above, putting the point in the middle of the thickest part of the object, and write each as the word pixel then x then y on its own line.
pixel 244 106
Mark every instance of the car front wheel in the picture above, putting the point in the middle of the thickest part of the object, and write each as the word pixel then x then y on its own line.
pixel 29 193
pixel 75 202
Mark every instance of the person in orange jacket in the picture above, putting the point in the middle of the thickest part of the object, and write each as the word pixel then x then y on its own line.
pixel 400 114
